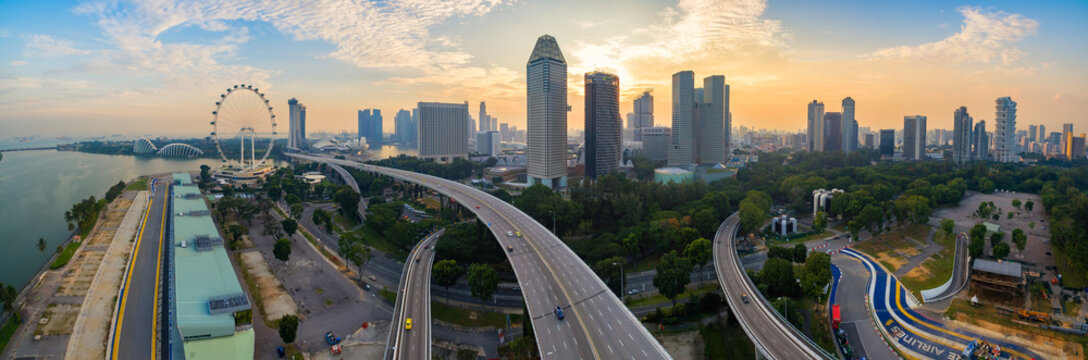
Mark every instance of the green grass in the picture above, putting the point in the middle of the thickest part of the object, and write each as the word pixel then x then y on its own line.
pixel 343 222
pixel 939 266
pixel 459 316
pixel 658 298
pixel 821 327
pixel 1070 276
pixel 8 330
pixel 646 263
pixel 375 240
pixel 388 295
pixel 139 184
pixel 1072 309
pixel 726 343
pixel 810 237
pixel 65 256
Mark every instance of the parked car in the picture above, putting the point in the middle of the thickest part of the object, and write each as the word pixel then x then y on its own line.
pixel 331 339
pixel 632 292
pixel 280 351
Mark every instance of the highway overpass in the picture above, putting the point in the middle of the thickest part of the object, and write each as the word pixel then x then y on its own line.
pixel 414 302
pixel 772 335
pixel 597 324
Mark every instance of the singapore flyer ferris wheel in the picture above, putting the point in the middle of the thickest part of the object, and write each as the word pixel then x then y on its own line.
pixel 243 113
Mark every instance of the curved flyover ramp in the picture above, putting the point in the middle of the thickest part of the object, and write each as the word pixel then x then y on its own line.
pixel 597 325
pixel 772 335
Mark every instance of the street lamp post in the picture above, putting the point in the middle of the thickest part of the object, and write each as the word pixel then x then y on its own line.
pixel 622 289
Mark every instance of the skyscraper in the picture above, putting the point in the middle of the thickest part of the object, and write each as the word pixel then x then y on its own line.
pixel 1033 133
pixel 849 126
pixel 296 127
pixel 443 131
pixel 980 141
pixel 370 127
pixel 643 114
pixel 1067 137
pixel 682 146
pixel 546 114
pixel 713 109
pixel 1005 131
pixel 914 137
pixel 655 142
pixel 961 138
pixel 487 143
pixel 815 126
pixel 887 142
pixel 485 120
pixel 603 124
pixel 833 134
pixel 404 129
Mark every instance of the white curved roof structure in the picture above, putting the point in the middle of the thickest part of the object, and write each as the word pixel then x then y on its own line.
pixel 144 146
pixel 179 150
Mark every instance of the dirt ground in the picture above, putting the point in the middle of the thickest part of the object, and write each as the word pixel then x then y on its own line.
pixel 686 345
pixel 61 318
pixel 275 300
pixel 1049 347
pixel 1038 247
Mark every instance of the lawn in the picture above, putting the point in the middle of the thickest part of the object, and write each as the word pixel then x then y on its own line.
pixel 344 223
pixel 459 316
pixel 8 331
pixel 388 295
pixel 658 298
pixel 1070 276
pixel 65 256
pixel 821 328
pixel 803 239
pixel 727 342
pixel 139 184
pixel 375 240
pixel 935 270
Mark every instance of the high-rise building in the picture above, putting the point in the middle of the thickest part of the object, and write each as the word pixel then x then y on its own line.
pixel 443 131
pixel 815 126
pixel 1033 133
pixel 546 95
pixel 1076 147
pixel 485 120
pixel 887 142
pixel 849 126
pixel 1042 133
pixel 1067 136
pixel 370 127
pixel 655 142
pixel 642 115
pixel 833 134
pixel 1005 131
pixel 914 137
pixel 712 126
pixel 404 129
pixel 487 143
pixel 870 140
pixel 603 124
pixel 961 138
pixel 296 132
pixel 980 141
pixel 682 145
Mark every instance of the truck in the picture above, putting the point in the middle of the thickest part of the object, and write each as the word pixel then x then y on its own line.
pixel 836 318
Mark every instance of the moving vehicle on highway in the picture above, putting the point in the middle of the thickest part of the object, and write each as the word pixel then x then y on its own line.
pixel 559 313
pixel 510 248
pixel 408 324
pixel 510 233
pixel 418 258
pixel 744 297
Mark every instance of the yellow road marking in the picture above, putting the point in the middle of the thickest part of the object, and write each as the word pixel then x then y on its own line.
pixel 927 324
pixel 128 279
pixel 158 273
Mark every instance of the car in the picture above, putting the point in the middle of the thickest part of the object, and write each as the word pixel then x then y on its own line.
pixel 519 233
pixel 632 292
pixel 418 258
pixel 408 324
pixel 744 297
pixel 510 233
pixel 510 248
pixel 366 286
pixel 331 339
pixel 280 351
pixel 372 278
pixel 426 246
pixel 559 313
pixel 477 206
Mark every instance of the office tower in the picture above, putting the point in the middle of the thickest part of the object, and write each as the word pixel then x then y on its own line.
pixel 403 131
pixel 546 93
pixel 471 126
pixel 370 127
pixel 833 135
pixel 1042 133
pixel 713 109
pixel 914 137
pixel 980 142
pixel 603 124
pixel 487 143
pixel 655 142
pixel 1067 136
pixel 296 127
pixel 849 126
pixel 1076 147
pixel 682 144
pixel 485 120
pixel 1005 131
pixel 961 138
pixel 1032 133
pixel 887 142
pixel 631 122
pixel 815 126
pixel 643 112
pixel 870 140
pixel 504 132
pixel 443 131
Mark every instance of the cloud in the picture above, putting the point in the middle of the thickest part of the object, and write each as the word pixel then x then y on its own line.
pixel 47 46
pixel 18 63
pixel 984 37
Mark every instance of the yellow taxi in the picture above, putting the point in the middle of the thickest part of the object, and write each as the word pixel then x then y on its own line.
pixel 408 324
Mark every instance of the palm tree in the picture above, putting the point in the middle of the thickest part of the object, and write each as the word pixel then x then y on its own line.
pixel 41 245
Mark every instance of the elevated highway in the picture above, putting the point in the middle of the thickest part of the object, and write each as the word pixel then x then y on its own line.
pixel 414 302
pixel 597 325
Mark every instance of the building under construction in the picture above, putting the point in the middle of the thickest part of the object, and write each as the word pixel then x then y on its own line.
pixel 998 282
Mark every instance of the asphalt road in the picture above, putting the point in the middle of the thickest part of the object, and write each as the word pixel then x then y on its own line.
pixel 770 333
pixel 597 324
pixel 136 330
pixel 414 302
pixel 856 321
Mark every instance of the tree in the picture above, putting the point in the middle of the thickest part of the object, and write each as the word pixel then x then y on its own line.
pixel 348 200
pixel 349 248
pixel 778 275
pixel 445 273
pixel 1010 214
pixel 289 226
pixel 1029 205
pixel 699 252
pixel 751 217
pixel 275 193
pixel 948 225
pixel 996 238
pixel 482 280
pixel 609 271
pixel 1020 239
pixel 1001 250
pixel 820 222
pixel 7 296
pixel 673 274
pixel 41 245
pixel 800 252
pixel 1016 203
pixel 282 249
pixel 288 328
pixel 976 247
pixel 296 210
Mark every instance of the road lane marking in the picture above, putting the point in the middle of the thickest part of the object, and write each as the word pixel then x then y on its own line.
pixel 158 274
pixel 128 279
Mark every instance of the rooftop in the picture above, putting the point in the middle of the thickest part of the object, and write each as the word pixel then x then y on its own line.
pixel 1007 268
pixel 546 48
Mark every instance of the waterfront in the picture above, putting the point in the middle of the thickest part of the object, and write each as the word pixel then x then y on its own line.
pixel 37 187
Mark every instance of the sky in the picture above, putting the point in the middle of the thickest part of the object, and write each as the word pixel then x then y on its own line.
pixel 157 67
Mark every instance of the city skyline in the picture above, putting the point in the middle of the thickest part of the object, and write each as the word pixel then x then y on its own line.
pixel 96 67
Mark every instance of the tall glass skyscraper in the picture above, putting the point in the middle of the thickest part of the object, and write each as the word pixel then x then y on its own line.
pixel 815 126
pixel 914 137
pixel 849 126
pixel 296 132
pixel 603 124
pixel 546 114
pixel 1005 131
pixel 961 135
pixel 682 146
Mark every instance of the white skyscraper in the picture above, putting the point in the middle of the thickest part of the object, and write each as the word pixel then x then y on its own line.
pixel 443 131
pixel 1005 131
pixel 815 126
pixel 546 117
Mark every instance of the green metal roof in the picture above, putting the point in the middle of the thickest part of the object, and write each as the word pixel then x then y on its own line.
pixel 239 346
pixel 183 178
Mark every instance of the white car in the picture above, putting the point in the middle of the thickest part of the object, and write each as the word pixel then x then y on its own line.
pixel 510 233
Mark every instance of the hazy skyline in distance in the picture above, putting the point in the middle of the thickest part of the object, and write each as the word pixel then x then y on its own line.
pixel 138 67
